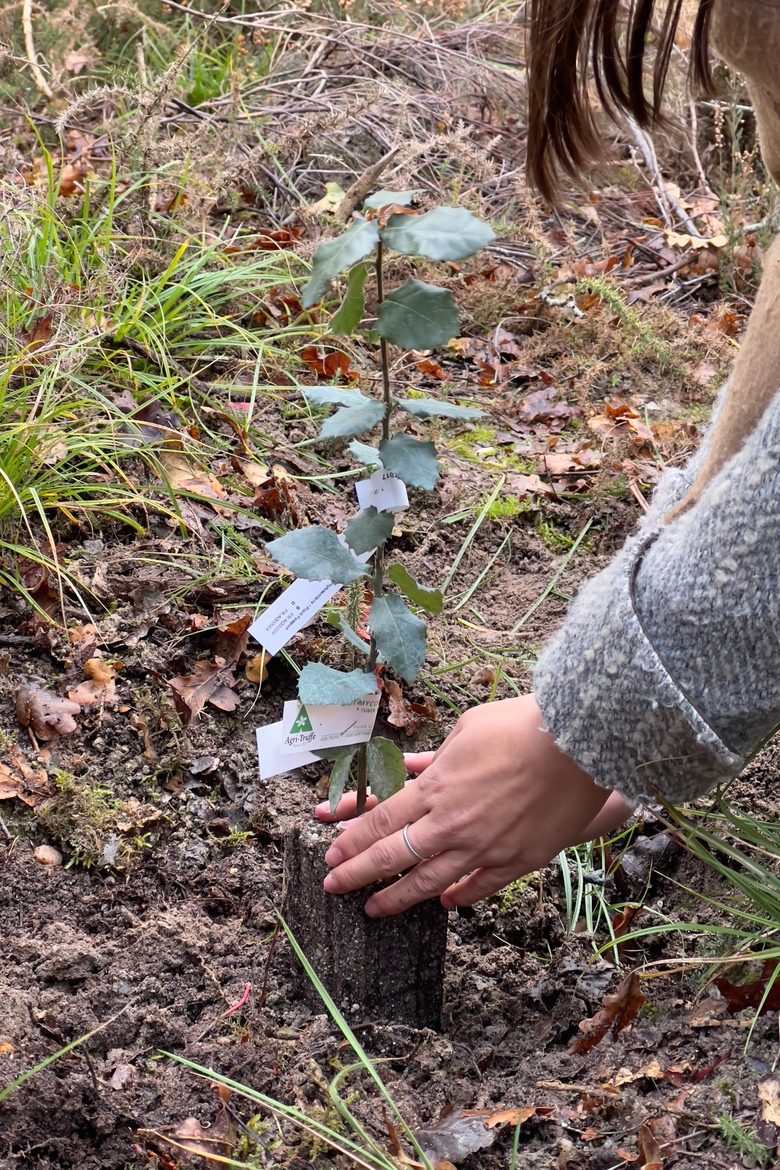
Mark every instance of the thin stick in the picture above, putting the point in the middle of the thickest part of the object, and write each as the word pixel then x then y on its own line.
pixel 29 45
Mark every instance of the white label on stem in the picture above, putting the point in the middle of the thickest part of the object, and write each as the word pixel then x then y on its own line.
pixel 317 728
pixel 274 759
pixel 384 490
pixel 295 608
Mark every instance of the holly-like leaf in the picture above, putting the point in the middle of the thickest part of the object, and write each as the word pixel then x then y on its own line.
pixel 418 316
pixel 334 256
pixel 324 395
pixel 368 530
pixel 322 686
pixel 364 454
pixel 353 420
pixel 399 635
pixel 446 233
pixel 412 460
pixel 339 774
pixel 430 599
pixel 346 320
pixel 316 554
pixel 386 198
pixel 385 768
pixel 433 408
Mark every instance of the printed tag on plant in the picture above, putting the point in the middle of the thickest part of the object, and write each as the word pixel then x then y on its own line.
pixel 274 757
pixel 384 490
pixel 318 728
pixel 295 608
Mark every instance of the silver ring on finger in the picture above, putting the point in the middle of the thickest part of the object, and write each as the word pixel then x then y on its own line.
pixel 410 847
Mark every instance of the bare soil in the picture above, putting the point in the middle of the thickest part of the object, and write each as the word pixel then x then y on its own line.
pixel 155 952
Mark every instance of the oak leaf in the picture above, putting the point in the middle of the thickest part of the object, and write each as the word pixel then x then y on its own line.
pixel 47 715
pixel 616 1013
pixel 210 682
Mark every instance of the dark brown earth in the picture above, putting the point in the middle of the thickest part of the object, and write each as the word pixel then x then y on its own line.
pixel 155 952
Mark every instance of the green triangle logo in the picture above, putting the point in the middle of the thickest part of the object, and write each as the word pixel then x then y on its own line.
pixel 302 722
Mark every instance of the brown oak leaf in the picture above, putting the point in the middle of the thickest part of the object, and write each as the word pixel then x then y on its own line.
pixel 616 1012
pixel 210 682
pixel 47 715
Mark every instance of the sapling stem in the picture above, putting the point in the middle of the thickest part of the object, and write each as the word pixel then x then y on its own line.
pixel 379 555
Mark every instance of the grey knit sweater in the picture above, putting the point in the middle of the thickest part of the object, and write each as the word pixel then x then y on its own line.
pixel 665 676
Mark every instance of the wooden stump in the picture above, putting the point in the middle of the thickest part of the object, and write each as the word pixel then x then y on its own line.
pixel 375 968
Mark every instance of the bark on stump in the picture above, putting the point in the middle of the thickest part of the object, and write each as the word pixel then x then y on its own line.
pixel 388 968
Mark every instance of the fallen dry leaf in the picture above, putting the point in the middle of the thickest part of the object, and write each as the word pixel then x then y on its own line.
pixel 184 475
pixel 255 473
pixel 617 1011
pixel 212 1143
pixel 47 715
pixel 408 716
pixel 210 682
pixel 232 639
pixel 327 365
pixel 20 781
pixel 77 60
pixel 465 1131
pixel 752 994
pixel 649 1149
pixel 540 407
pixel 256 669
pixel 100 686
pixel 769 1096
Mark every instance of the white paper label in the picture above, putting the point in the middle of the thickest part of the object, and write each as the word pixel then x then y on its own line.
pixel 295 608
pixel 274 759
pixel 316 728
pixel 384 490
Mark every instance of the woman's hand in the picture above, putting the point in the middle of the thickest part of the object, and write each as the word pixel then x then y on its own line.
pixel 497 800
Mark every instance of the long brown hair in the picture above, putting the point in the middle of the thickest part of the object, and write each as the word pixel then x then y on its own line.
pixel 569 36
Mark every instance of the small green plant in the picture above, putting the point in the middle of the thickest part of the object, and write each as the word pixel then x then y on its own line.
pixel 745 1141
pixel 413 316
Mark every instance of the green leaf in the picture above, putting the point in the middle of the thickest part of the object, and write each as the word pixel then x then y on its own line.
pixel 430 599
pixel 321 686
pixel 386 198
pixel 346 320
pixel 412 461
pixel 368 530
pixel 418 316
pixel 434 408
pixel 334 256
pixel 316 554
pixel 446 233
pixel 321 395
pixel 399 635
pixel 386 770
pixel 353 420
pixel 339 774
pixel 364 454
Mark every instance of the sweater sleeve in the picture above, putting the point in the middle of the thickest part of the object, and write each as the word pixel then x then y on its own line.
pixel 665 676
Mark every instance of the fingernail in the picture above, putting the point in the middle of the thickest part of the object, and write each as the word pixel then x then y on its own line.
pixel 329 885
pixel 342 824
pixel 334 856
pixel 370 908
pixel 323 808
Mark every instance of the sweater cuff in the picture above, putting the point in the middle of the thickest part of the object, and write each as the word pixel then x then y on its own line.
pixel 613 707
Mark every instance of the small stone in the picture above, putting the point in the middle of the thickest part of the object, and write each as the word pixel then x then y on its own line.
pixel 47 855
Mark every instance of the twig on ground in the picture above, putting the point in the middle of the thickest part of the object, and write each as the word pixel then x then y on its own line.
pixel 29 45
pixel 363 185
pixel 667 202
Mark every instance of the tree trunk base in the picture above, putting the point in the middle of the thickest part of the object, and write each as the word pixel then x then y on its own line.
pixel 375 968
